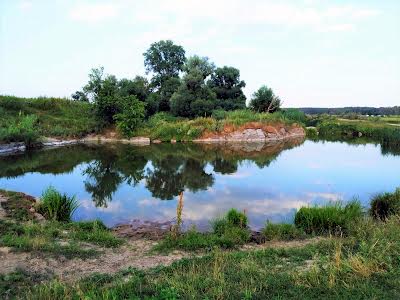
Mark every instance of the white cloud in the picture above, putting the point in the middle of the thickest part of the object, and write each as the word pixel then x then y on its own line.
pixel 93 13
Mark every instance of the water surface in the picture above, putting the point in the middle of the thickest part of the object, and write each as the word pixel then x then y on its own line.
pixel 119 183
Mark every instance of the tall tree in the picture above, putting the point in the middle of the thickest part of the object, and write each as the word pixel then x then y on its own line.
pixel 165 60
pixel 264 100
pixel 194 97
pixel 226 84
pixel 138 87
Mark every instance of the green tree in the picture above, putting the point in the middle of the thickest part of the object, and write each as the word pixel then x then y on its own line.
pixel 103 91
pixel 165 60
pixel 194 97
pixel 226 84
pixel 131 114
pixel 264 100
pixel 80 96
pixel 138 87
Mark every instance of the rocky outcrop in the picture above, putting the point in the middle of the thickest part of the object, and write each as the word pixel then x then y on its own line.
pixel 253 132
pixel 139 140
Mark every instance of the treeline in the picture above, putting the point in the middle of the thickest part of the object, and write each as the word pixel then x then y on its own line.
pixel 184 87
pixel 372 111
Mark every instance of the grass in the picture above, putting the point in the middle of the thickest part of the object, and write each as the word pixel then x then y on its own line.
pixel 379 131
pixel 56 206
pixel 57 238
pixel 335 218
pixel 363 266
pixel 282 231
pixel 164 127
pixel 385 205
pixel 53 117
pixel 18 205
pixel 229 231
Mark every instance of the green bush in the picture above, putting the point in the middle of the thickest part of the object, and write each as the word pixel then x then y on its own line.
pixel 57 207
pixel 332 218
pixel 233 218
pixel 281 232
pixel 294 114
pixel 385 205
pixel 23 129
pixel 130 116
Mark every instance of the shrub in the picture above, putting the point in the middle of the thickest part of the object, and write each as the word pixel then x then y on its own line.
pixel 233 218
pixel 281 231
pixel 22 130
pixel 218 114
pixel 57 207
pixel 295 114
pixel 131 115
pixel 332 218
pixel 385 205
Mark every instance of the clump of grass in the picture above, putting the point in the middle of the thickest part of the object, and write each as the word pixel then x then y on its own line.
pixel 282 232
pixel 56 206
pixel 385 205
pixel 228 232
pixel 329 219
pixel 18 205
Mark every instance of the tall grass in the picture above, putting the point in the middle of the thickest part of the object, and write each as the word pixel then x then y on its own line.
pixel 22 129
pixel 334 218
pixel 282 231
pixel 56 206
pixel 385 205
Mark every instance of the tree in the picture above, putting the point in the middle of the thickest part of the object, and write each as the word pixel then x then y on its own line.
pixel 138 87
pixel 80 96
pixel 264 100
pixel 193 97
pixel 130 115
pixel 226 84
pixel 164 59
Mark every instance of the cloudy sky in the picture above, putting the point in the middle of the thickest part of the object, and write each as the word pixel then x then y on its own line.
pixel 311 52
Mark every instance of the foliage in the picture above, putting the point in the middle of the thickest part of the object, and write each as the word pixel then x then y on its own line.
pixel 226 84
pixel 55 116
pixel 138 87
pixel 264 100
pixel 385 205
pixel 164 59
pixel 22 129
pixel 282 231
pixel 334 218
pixel 57 207
pixel 80 96
pixel 193 97
pixel 130 116
pixel 295 114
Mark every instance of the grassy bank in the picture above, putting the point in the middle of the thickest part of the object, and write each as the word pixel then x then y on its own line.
pixel 358 258
pixel 382 130
pixel 53 117
pixel 164 127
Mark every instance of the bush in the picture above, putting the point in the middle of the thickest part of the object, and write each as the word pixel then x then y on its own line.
pixel 22 130
pixel 130 116
pixel 281 232
pixel 295 114
pixel 57 207
pixel 385 205
pixel 233 218
pixel 218 114
pixel 332 218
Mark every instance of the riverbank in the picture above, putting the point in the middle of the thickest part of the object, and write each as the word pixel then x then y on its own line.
pixel 361 262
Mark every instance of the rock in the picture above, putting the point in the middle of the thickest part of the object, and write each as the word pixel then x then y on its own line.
pixel 12 147
pixel 140 140
pixel 173 141
pixel 156 141
pixel 5 250
pixel 39 217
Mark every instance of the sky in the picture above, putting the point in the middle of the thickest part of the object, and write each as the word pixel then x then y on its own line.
pixel 321 53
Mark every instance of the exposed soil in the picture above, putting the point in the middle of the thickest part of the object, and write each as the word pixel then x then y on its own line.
pixel 136 252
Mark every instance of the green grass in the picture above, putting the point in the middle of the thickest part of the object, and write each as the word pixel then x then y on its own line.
pixel 381 132
pixel 335 218
pixel 18 205
pixel 56 206
pixel 363 266
pixel 229 231
pixel 165 127
pixel 282 231
pixel 385 205
pixel 55 117
pixel 57 238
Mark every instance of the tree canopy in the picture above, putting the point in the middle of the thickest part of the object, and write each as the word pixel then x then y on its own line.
pixel 264 100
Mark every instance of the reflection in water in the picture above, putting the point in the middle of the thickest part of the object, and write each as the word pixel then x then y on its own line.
pixel 117 182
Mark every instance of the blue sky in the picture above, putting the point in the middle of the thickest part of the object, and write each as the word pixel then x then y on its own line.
pixel 311 52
